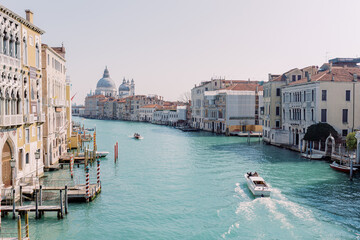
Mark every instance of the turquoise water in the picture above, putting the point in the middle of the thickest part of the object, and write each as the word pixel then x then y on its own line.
pixel 176 185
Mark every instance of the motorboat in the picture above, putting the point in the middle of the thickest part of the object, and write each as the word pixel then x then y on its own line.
pixel 90 129
pixel 341 168
pixel 137 136
pixel 314 156
pixel 98 154
pixel 257 185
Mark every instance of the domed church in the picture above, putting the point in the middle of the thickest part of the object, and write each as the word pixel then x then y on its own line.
pixel 127 88
pixel 106 86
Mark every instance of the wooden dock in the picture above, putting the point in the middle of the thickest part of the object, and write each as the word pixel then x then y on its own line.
pixel 79 193
pixel 32 208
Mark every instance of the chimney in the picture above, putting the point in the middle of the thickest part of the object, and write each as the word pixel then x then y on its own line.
pixel 332 78
pixel 270 77
pixel 330 67
pixel 29 15
pixel 355 77
pixel 248 80
pixel 308 77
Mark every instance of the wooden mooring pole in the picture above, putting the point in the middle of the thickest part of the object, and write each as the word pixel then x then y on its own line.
pixel 36 205
pixel 19 227
pixel 13 202
pixel 66 199
pixel 87 184
pixel 27 224
pixel 21 198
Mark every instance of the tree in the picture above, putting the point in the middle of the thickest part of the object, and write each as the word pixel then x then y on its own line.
pixel 185 97
pixel 320 131
pixel 351 141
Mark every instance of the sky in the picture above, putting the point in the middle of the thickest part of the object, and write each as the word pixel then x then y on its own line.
pixel 168 46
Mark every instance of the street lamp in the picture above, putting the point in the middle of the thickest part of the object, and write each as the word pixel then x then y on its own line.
pixel 37 157
pixel 12 165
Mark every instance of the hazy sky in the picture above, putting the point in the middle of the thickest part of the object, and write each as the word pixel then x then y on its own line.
pixel 167 46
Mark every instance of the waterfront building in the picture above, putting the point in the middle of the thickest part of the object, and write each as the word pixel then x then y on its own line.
pixel 31 132
pixel 21 116
pixel 110 108
pixel 330 96
pixel 147 112
pixel 55 103
pixel 78 110
pixel 198 98
pixel 272 111
pixel 234 109
pixel 91 105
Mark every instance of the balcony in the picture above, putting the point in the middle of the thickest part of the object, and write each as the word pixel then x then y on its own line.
pixel 10 61
pixel 40 118
pixel 11 120
pixel 29 119
pixel 59 103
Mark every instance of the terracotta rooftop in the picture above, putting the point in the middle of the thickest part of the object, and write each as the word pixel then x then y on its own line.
pixel 245 87
pixel 337 74
pixel 152 106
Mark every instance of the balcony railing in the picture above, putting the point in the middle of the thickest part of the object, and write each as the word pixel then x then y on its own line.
pixel 11 120
pixel 29 118
pixel 7 60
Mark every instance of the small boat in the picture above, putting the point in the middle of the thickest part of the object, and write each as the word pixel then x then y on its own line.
pixel 90 129
pixel 137 136
pixel 341 168
pixel 315 156
pixel 98 154
pixel 257 185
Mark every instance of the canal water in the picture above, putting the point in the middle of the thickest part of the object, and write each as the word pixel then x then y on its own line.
pixel 177 185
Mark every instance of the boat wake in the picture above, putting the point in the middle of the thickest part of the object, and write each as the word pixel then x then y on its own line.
pixel 276 210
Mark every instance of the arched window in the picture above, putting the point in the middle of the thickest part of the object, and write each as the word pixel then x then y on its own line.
pixel 37 56
pixel 5 47
pixel 17 46
pixel 11 47
pixel 25 55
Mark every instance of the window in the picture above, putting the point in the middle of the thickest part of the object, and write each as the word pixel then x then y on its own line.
pixel 278 92
pixel 38 133
pixel 277 123
pixel 27 158
pixel 344 115
pixel 277 111
pixel 347 98
pixel 323 115
pixel 323 95
pixel 37 56
pixel 304 114
pixel 299 77
pixel 5 45
pixel 344 132
pixel 304 96
pixel 27 135
pixel 48 59
pixel 293 78
pixel 312 95
pixel 25 52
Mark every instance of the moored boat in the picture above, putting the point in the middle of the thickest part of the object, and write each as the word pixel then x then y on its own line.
pixel 315 156
pixel 257 185
pixel 341 168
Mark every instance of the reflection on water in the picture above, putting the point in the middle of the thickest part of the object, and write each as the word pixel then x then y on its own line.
pixel 176 185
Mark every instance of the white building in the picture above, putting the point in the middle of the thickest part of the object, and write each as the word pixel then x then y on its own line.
pixel 325 97
pixel 54 99
pixel 146 112
pixel 236 108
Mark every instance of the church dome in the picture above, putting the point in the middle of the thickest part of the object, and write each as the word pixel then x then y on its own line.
pixel 106 82
pixel 124 86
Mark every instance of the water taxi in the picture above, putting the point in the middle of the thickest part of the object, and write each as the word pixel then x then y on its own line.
pixel 257 185
pixel 137 136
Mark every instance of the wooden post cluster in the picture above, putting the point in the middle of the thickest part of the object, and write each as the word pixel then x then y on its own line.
pixel 87 184
pixel 98 172
pixel 19 227
pixel 72 166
